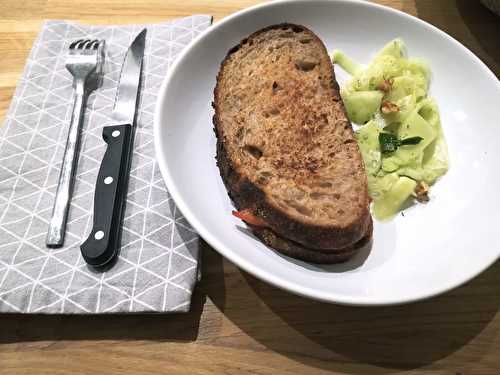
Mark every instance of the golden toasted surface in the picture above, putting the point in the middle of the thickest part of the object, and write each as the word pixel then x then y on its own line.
pixel 284 128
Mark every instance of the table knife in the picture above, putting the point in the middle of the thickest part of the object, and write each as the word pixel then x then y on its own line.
pixel 103 242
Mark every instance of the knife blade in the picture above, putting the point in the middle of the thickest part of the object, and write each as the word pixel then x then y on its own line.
pixel 103 242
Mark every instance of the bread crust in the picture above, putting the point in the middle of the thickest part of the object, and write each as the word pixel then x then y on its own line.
pixel 297 251
pixel 337 242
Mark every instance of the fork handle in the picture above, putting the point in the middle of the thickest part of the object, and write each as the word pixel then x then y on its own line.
pixel 57 224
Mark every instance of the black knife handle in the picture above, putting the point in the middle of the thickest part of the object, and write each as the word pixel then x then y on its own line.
pixel 109 198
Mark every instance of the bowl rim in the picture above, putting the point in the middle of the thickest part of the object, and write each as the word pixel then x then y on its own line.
pixel 215 243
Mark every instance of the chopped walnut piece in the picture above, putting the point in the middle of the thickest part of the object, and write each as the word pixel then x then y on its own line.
pixel 385 85
pixel 422 192
pixel 388 107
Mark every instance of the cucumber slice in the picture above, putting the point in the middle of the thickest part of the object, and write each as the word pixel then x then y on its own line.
pixel 367 138
pixel 389 204
pixel 410 156
pixel 345 62
pixel 395 48
pixel 362 105
pixel 414 126
pixel 380 184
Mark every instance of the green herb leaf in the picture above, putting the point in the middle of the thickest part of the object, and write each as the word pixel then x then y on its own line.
pixel 411 141
pixel 390 142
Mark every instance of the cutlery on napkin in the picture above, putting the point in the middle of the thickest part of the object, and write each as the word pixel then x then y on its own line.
pixel 158 262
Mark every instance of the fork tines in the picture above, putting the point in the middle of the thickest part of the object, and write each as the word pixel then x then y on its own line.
pixel 84 44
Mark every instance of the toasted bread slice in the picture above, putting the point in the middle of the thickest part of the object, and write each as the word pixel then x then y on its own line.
pixel 285 147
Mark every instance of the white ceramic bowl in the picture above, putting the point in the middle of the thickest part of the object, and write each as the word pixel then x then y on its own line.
pixel 430 250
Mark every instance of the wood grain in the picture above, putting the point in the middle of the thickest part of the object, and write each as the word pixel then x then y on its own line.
pixel 239 325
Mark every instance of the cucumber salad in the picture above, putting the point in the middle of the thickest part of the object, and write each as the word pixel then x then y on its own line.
pixel 399 133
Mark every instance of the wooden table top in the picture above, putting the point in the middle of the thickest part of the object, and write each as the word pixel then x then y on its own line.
pixel 238 324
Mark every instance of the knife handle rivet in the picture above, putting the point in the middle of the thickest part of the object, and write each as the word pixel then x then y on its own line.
pixel 108 180
pixel 115 133
pixel 99 235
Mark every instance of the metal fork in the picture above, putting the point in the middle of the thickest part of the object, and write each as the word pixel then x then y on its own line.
pixel 85 62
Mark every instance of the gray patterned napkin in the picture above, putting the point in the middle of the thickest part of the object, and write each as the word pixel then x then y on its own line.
pixel 158 263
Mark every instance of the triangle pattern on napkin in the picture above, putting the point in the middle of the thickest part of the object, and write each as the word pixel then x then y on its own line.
pixel 157 265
